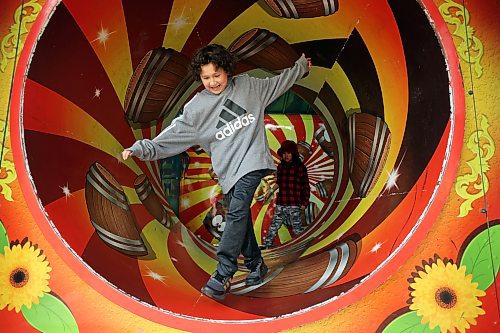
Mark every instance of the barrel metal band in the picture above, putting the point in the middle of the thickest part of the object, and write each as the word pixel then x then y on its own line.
pixel 257 46
pixel 378 145
pixel 145 183
pixel 122 246
pixel 114 237
pixel 288 5
pixel 143 196
pixel 105 193
pixel 329 6
pixel 344 249
pixel 352 141
pixel 334 255
pixel 151 81
pixel 134 110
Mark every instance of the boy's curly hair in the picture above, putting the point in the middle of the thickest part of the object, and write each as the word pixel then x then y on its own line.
pixel 215 54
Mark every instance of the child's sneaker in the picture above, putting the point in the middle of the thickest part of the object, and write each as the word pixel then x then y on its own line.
pixel 217 286
pixel 255 276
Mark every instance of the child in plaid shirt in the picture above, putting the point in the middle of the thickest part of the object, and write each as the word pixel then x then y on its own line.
pixel 293 195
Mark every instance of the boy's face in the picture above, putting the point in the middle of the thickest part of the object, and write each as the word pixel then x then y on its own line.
pixel 287 156
pixel 213 79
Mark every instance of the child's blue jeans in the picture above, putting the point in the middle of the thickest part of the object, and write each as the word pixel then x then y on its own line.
pixel 239 236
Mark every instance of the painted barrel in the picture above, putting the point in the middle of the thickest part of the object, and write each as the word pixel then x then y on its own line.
pixel 303 8
pixel 324 140
pixel 304 275
pixel 325 188
pixel 156 86
pixel 212 174
pixel 150 200
pixel 304 149
pixel 267 187
pixel 198 150
pixel 369 143
pixel 310 213
pixel 110 212
pixel 265 49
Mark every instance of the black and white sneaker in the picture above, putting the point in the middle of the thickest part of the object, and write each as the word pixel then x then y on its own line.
pixel 217 286
pixel 255 276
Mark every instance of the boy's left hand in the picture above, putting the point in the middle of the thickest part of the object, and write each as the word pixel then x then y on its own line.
pixel 309 62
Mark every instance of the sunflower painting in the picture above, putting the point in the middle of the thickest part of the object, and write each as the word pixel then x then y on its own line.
pixel 443 295
pixel 24 276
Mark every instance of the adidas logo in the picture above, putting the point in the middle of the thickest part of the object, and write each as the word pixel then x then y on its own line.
pixel 232 118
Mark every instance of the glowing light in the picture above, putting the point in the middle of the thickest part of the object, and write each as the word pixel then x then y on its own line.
pixel 97 93
pixel 155 276
pixel 103 36
pixel 66 191
pixel 392 180
pixel 376 247
pixel 179 22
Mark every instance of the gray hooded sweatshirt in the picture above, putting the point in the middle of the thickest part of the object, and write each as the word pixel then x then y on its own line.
pixel 228 126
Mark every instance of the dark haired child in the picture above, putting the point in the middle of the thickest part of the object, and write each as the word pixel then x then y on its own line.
pixel 293 194
pixel 226 120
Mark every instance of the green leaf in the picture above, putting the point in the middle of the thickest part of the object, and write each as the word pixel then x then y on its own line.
pixel 50 316
pixel 409 323
pixel 480 257
pixel 4 239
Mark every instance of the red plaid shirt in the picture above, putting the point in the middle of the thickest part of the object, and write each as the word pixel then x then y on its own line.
pixel 293 184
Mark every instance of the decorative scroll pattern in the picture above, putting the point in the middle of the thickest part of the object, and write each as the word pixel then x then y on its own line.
pixel 470 186
pixel 457 15
pixel 7 176
pixel 30 11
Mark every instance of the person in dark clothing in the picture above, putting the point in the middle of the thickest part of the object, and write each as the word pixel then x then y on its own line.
pixel 293 194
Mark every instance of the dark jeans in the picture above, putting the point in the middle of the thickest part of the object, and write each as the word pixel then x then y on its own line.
pixel 239 236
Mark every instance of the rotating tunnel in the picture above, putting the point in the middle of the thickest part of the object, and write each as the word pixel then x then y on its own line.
pixel 378 120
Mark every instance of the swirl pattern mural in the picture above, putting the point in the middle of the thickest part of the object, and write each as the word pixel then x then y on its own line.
pixel 378 122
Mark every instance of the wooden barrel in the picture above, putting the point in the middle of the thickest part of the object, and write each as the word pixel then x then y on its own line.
pixel 158 83
pixel 264 49
pixel 198 150
pixel 212 174
pixel 309 214
pixel 325 188
pixel 324 140
pixel 303 8
pixel 110 213
pixel 304 275
pixel 369 143
pixel 150 200
pixel 304 149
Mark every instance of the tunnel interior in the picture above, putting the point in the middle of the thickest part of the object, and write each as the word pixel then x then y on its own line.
pixel 373 120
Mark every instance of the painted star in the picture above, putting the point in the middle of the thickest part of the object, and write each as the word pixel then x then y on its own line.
pixel 393 176
pixel 155 276
pixel 376 247
pixel 97 93
pixel 392 180
pixel 66 191
pixel 103 36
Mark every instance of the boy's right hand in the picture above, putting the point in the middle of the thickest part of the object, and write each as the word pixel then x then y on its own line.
pixel 126 154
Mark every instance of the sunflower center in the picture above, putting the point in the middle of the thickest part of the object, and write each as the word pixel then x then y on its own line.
pixel 446 297
pixel 19 277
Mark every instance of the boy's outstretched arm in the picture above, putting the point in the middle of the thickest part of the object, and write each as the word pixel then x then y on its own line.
pixel 176 138
pixel 272 88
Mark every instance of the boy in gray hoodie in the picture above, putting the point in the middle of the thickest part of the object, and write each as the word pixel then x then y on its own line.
pixel 226 119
